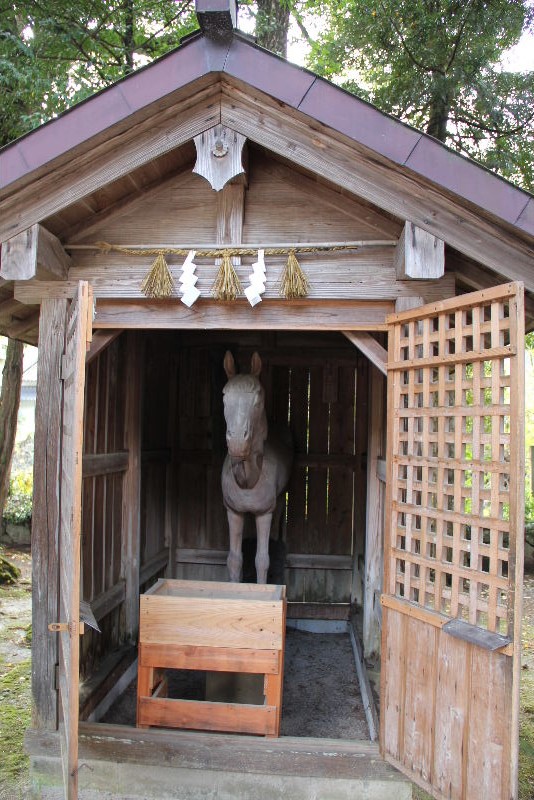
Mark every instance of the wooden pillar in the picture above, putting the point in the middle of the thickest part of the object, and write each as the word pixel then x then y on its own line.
pixel 131 489
pixel 375 514
pixel 46 516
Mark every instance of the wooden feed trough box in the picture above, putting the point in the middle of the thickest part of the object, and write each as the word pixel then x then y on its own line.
pixel 211 626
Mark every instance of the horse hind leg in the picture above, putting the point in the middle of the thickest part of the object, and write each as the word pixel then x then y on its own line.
pixel 234 561
pixel 263 529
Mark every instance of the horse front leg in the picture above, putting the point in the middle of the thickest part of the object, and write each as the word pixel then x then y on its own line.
pixel 263 529
pixel 235 556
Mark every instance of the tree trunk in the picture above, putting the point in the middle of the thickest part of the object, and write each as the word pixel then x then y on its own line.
pixel 272 24
pixel 439 117
pixel 9 408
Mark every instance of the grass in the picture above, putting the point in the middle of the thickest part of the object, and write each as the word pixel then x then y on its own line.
pixel 15 713
pixel 15 700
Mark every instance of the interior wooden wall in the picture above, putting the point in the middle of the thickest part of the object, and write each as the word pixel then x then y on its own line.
pixel 311 384
pixel 102 500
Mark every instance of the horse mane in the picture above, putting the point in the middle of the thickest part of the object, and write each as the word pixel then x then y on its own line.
pixel 242 383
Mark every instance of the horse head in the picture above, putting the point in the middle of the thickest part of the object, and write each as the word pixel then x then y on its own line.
pixel 244 411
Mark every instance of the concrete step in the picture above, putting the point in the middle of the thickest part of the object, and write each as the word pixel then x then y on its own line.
pixel 123 763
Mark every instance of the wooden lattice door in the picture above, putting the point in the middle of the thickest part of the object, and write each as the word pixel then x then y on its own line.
pixel 454 544
pixel 77 335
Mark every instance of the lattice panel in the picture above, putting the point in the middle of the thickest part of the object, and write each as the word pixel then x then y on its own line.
pixel 451 375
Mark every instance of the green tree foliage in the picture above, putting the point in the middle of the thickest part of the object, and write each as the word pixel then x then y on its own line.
pixel 54 53
pixel 435 64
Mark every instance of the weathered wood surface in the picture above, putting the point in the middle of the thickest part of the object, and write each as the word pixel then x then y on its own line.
pixel 45 516
pixel 288 755
pixel 131 496
pixel 419 254
pixel 453 543
pixel 444 709
pixel 347 166
pixel 104 465
pixel 374 528
pixel 77 338
pixel 132 146
pixel 34 252
pixel 370 348
pixel 365 276
pixel 101 340
pixel 219 155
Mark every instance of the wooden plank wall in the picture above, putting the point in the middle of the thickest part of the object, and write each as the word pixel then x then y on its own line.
pixel 158 423
pixel 433 676
pixel 103 471
pixel 310 384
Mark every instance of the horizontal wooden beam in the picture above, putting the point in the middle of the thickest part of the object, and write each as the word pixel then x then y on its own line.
pixel 34 253
pixel 154 565
pixel 369 347
pixel 219 659
pixel 101 341
pixel 270 315
pixel 106 602
pixel 319 561
pixel 365 275
pixel 207 716
pixel 419 254
pixel 104 463
pixel 21 326
pixel 293 560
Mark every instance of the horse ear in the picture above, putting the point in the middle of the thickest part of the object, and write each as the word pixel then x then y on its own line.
pixel 255 365
pixel 229 365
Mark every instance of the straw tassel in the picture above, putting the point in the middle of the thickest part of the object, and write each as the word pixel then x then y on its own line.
pixel 158 282
pixel 294 283
pixel 227 285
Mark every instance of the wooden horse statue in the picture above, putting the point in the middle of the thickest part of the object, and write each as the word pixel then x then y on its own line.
pixel 256 469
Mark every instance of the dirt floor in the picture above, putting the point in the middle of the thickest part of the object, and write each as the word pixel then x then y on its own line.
pixel 321 692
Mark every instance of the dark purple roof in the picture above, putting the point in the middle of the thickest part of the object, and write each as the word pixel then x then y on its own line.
pixel 286 83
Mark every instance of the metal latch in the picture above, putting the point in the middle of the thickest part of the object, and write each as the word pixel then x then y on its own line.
pixel 65 627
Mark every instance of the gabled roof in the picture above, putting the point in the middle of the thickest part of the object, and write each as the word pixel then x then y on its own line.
pixel 293 86
pixel 154 113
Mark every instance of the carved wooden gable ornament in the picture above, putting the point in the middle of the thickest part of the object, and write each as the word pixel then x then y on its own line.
pixel 219 155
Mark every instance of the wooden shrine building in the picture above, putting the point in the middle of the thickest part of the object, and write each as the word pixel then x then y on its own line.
pixel 400 374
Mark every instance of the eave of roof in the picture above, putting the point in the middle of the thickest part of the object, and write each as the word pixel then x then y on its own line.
pixel 286 83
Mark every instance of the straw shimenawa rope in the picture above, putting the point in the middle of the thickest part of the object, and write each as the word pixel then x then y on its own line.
pixel 158 283
pixel 227 286
pixel 294 284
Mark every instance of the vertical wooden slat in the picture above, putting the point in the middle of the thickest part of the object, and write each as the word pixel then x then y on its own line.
pixel 131 486
pixel 359 498
pixel 517 513
pixel 73 374
pixel 451 718
pixel 317 476
pixel 341 481
pixel 45 515
pixel 297 509
pixel 374 532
